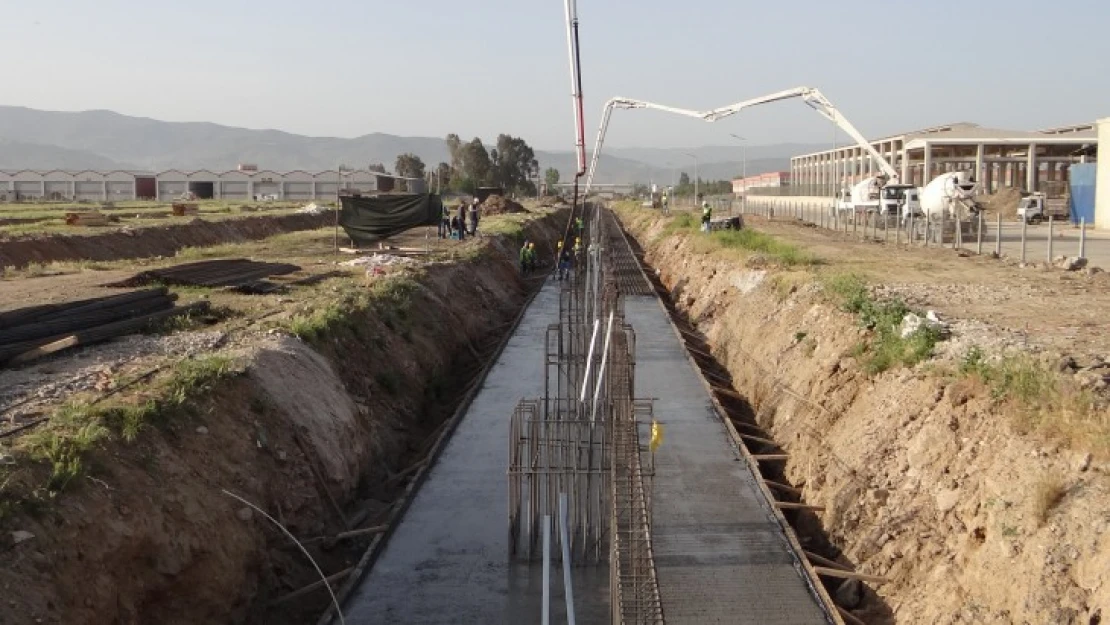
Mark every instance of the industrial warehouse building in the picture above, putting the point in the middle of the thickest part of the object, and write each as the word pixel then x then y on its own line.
pixel 999 158
pixel 115 186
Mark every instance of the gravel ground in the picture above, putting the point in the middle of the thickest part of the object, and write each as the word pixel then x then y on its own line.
pixel 95 368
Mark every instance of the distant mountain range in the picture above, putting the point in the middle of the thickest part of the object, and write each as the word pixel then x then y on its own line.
pixel 34 139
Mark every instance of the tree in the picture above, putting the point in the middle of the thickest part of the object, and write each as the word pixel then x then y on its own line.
pixel 442 175
pixel 454 148
pixel 378 167
pixel 514 165
pixel 684 179
pixel 551 177
pixel 409 166
pixel 476 164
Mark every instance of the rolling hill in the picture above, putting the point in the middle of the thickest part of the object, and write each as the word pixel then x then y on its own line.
pixel 34 139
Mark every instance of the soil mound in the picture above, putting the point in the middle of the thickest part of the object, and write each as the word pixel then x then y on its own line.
pixel 499 205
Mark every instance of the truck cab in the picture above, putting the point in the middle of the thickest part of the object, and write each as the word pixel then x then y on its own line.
pixel 1037 207
pixel 899 200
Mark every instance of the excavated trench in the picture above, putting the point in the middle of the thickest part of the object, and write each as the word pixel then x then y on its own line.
pixel 912 479
pixel 328 436
pixel 848 595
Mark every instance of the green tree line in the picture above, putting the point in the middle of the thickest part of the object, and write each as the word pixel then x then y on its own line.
pixel 511 165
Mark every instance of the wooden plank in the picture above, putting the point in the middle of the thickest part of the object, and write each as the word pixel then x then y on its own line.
pixel 783 488
pixel 763 457
pixel 758 439
pixel 786 505
pixel 823 561
pixel 44 350
pixel 376 529
pixel 863 577
pixel 849 617
pixel 313 586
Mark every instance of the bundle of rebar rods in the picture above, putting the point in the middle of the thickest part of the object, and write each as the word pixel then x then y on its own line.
pixel 28 333
pixel 234 272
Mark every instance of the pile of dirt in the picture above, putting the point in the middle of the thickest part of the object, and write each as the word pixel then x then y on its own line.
pixel 924 478
pixel 1004 202
pixel 149 242
pixel 500 205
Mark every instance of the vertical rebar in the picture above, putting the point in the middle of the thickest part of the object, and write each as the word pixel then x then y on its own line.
pixel 545 615
pixel 568 587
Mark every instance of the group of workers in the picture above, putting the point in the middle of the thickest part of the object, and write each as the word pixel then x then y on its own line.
pixel 566 258
pixel 459 225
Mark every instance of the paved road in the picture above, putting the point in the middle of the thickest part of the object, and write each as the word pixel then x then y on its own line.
pixel 447 562
pixel 720 554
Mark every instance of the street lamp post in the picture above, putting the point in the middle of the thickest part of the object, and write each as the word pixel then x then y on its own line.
pixel 744 172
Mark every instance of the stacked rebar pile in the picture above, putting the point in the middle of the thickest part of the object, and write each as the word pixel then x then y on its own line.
pixel 28 333
pixel 235 272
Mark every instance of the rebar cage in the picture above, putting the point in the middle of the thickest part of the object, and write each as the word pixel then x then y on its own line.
pixel 582 439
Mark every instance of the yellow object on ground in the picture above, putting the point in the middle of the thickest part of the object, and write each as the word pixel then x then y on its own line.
pixel 656 436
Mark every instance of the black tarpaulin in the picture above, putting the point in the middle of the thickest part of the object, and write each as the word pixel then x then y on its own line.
pixel 369 219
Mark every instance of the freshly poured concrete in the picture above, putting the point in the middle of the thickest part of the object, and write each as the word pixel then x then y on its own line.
pixel 447 562
pixel 720 555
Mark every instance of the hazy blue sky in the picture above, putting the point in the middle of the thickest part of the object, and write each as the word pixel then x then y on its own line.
pixel 429 67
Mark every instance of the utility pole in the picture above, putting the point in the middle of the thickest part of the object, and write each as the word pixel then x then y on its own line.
pixel 744 157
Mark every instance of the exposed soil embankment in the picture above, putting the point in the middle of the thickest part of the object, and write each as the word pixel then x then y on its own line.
pixel 923 474
pixel 321 433
pixel 152 241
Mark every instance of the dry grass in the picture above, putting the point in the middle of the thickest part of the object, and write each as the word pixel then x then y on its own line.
pixel 1041 402
pixel 1048 492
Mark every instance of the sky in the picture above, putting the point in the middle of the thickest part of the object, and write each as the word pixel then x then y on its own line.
pixel 352 67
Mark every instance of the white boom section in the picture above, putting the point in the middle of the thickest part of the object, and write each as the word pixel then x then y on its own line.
pixel 627 103
pixel 812 97
pixel 818 102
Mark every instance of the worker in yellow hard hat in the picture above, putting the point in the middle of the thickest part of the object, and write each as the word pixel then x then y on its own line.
pixel 531 257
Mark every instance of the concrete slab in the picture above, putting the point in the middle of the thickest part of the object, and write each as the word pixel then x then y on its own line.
pixel 447 562
pixel 720 554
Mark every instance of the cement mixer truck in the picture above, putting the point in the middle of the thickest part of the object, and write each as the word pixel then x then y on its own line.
pixel 949 196
pixel 877 195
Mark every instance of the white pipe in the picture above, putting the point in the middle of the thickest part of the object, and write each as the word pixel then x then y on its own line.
pixel 589 361
pixel 568 587
pixel 545 614
pixel 601 370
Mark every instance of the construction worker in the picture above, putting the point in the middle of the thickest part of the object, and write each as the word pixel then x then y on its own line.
pixel 577 251
pixel 578 224
pixel 445 223
pixel 706 216
pixel 524 258
pixel 564 263
pixel 462 220
pixel 531 257
pixel 474 217
pixel 666 204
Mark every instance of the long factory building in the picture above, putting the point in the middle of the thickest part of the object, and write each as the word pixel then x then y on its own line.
pixel 114 186
pixel 999 158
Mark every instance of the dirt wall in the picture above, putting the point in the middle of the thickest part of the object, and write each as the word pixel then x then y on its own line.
pixel 149 536
pixel 922 477
pixel 152 241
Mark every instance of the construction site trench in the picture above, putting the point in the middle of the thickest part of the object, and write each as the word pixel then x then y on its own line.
pixel 947 500
pixel 324 416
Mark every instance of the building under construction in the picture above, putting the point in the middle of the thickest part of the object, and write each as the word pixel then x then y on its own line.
pixel 999 158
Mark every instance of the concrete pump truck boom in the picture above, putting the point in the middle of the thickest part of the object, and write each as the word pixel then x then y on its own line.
pixel 885 193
